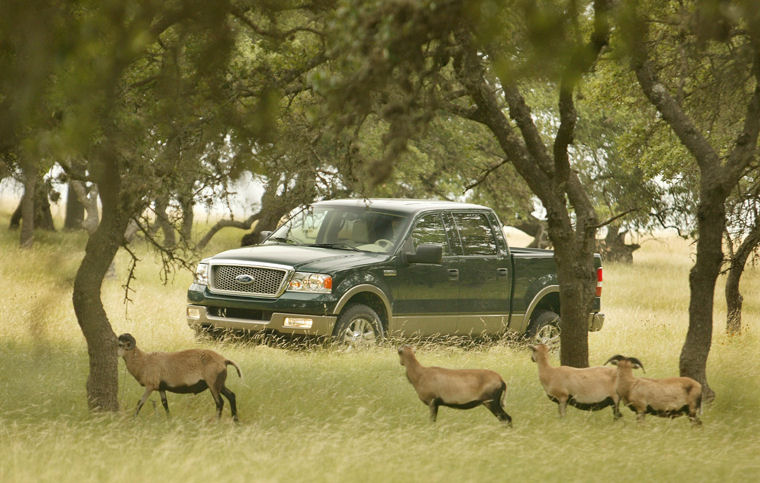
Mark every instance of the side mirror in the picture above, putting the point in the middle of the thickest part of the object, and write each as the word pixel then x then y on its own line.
pixel 264 235
pixel 426 253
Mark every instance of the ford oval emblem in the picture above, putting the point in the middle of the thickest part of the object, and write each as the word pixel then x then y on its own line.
pixel 245 279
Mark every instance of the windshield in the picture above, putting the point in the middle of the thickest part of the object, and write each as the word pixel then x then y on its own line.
pixel 343 227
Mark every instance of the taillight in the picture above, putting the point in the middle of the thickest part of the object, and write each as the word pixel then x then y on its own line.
pixel 599 282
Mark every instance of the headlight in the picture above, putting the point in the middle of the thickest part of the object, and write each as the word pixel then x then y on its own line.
pixel 201 274
pixel 310 283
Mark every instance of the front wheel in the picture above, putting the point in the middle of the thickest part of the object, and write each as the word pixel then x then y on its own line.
pixel 358 326
pixel 544 328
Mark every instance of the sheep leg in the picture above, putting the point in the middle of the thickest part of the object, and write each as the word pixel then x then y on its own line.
pixel 219 403
pixel 231 398
pixel 616 411
pixel 640 414
pixel 433 405
pixel 164 402
pixel 144 398
pixel 497 410
pixel 694 417
pixel 562 406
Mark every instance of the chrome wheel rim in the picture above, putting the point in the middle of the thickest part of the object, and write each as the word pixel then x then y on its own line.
pixel 360 333
pixel 548 335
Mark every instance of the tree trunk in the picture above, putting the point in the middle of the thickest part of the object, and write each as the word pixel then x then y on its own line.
pixel 90 202
pixel 187 219
pixel 614 248
pixel 102 383
pixel 711 219
pixel 734 298
pixel 27 211
pixel 43 217
pixel 162 221
pixel 74 210
pixel 276 203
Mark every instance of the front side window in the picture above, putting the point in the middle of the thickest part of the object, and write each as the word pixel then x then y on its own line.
pixel 430 229
pixel 476 234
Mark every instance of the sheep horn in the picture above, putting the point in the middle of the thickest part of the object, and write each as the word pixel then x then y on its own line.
pixel 614 359
pixel 638 363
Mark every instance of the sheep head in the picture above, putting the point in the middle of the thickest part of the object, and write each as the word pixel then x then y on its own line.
pixel 625 362
pixel 126 344
pixel 405 352
pixel 542 348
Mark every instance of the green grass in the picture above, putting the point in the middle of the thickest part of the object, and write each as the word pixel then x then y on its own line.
pixel 323 415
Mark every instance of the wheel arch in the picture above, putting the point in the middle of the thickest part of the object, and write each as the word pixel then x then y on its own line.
pixel 369 295
pixel 546 299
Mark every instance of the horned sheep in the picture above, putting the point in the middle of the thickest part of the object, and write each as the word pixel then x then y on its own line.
pixel 669 397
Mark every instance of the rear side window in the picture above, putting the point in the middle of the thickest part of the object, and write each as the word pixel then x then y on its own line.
pixel 430 229
pixel 476 234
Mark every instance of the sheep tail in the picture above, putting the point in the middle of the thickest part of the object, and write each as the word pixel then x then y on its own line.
pixel 228 362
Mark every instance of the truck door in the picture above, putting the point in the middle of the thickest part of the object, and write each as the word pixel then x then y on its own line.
pixel 425 295
pixel 484 274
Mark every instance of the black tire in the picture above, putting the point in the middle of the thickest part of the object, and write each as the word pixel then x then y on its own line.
pixel 358 326
pixel 545 327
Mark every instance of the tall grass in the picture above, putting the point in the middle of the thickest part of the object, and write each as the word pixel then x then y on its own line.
pixel 320 414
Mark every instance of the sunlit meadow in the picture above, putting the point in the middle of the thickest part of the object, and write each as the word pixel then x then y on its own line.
pixel 320 414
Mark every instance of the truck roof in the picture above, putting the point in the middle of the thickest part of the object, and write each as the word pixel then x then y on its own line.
pixel 404 205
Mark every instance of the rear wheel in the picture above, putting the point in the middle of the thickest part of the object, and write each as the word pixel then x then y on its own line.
pixel 544 328
pixel 358 326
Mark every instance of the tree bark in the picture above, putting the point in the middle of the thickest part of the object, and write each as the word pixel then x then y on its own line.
pixel 102 382
pixel 27 210
pixel 614 248
pixel 702 280
pixel 74 210
pixel 734 297
pixel 162 221
pixel 245 225
pixel 90 202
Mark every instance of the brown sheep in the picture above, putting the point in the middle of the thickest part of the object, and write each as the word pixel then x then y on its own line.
pixel 669 397
pixel 588 388
pixel 188 371
pixel 455 388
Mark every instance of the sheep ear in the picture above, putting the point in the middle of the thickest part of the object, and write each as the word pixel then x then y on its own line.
pixel 614 359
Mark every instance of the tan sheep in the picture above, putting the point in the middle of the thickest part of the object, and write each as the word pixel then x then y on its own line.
pixel 588 388
pixel 455 388
pixel 669 397
pixel 188 371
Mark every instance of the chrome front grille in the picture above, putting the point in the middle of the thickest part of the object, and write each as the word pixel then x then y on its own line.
pixel 247 280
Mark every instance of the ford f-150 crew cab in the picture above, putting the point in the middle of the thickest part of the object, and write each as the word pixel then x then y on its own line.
pixel 358 270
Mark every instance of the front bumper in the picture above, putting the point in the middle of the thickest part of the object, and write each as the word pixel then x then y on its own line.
pixel 284 323
pixel 595 322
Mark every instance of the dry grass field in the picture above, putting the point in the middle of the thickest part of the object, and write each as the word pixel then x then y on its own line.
pixel 318 414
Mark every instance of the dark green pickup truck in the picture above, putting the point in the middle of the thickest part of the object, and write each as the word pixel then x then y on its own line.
pixel 358 270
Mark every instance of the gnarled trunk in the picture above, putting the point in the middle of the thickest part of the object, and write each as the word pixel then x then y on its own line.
pixel 104 242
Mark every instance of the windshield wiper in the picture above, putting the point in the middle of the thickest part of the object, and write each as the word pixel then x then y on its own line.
pixel 340 246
